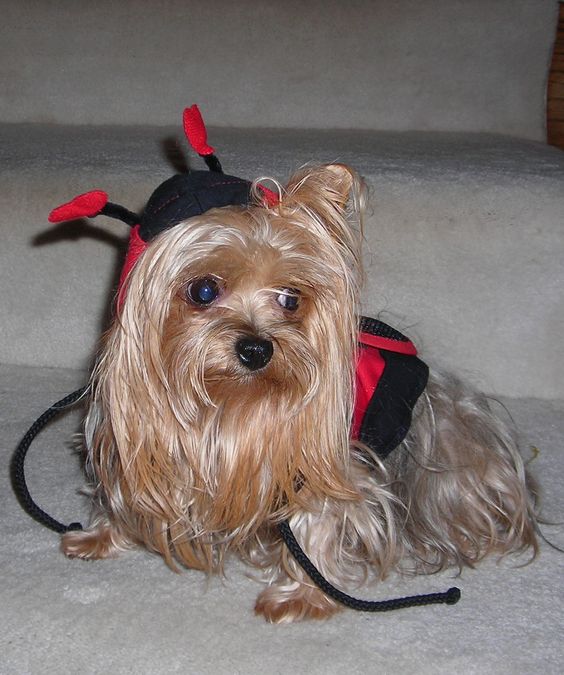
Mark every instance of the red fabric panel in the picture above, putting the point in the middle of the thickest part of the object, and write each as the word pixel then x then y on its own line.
pixel 271 198
pixel 136 247
pixel 369 368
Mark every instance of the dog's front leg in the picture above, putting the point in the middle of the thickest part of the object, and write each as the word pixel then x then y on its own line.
pixel 102 539
pixel 347 541
pixel 291 595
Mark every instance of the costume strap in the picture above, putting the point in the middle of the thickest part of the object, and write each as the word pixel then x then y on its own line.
pixel 19 482
pixel 450 597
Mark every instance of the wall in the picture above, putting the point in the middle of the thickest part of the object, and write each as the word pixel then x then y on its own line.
pixel 452 65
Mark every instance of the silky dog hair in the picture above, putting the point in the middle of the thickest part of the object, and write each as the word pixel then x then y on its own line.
pixel 193 454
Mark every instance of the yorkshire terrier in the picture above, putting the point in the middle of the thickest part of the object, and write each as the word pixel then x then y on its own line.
pixel 223 402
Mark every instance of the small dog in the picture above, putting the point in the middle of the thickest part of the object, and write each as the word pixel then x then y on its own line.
pixel 222 404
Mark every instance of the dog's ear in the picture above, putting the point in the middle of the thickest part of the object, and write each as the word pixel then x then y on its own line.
pixel 328 184
pixel 339 180
pixel 330 196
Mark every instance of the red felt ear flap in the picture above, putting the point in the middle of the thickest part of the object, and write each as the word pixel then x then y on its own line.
pixel 270 198
pixel 86 205
pixel 137 247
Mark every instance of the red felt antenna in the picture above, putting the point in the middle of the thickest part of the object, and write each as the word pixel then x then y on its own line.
pixel 86 205
pixel 195 131
pixel 197 136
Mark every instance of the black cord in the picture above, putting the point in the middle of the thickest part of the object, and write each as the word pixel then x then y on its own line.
pixel 18 465
pixel 451 597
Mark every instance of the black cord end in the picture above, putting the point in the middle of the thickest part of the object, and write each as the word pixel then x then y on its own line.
pixel 73 527
pixel 452 596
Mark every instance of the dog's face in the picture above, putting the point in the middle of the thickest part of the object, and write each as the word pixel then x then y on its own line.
pixel 226 381
pixel 249 311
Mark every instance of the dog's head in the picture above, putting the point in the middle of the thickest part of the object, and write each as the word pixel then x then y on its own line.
pixel 223 395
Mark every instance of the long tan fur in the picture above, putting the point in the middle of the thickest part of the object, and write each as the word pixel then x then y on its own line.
pixel 192 455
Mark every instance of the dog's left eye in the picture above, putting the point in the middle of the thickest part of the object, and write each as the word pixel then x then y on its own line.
pixel 289 299
pixel 203 291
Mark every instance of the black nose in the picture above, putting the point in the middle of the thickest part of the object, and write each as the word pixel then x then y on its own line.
pixel 254 352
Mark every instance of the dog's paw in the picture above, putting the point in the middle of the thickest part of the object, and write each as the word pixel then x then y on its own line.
pixel 93 544
pixel 277 605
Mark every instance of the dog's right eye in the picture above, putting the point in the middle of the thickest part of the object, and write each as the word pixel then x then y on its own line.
pixel 203 291
pixel 289 299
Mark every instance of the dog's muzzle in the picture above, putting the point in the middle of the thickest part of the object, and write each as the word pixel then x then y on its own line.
pixel 254 352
